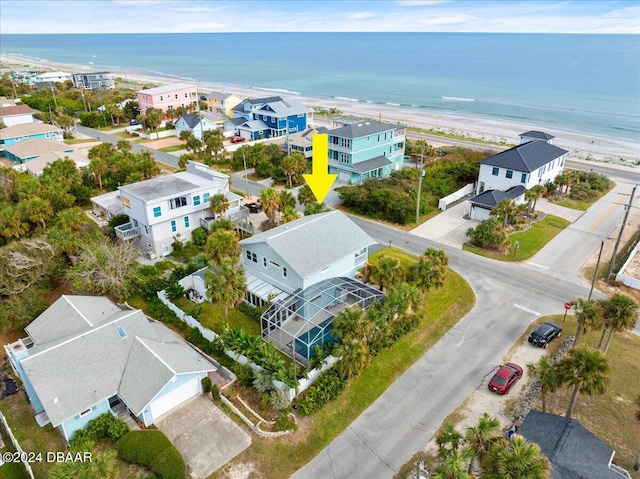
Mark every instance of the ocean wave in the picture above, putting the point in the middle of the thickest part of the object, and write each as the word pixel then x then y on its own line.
pixel 277 90
pixel 345 98
pixel 392 104
pixel 453 98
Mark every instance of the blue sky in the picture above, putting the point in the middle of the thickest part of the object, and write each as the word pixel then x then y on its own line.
pixel 159 16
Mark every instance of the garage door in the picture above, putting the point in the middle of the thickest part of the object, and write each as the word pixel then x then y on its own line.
pixel 346 177
pixel 175 397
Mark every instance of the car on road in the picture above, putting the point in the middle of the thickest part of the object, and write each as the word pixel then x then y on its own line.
pixel 544 334
pixel 505 378
pixel 254 207
pixel 237 139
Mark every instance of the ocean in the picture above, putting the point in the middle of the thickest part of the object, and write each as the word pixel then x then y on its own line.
pixel 583 83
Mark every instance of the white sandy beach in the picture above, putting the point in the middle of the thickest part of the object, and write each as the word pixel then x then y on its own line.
pixel 580 145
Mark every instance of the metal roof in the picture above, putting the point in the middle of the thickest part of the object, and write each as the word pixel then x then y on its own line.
pixel 358 130
pixel 166 88
pixel 526 157
pixel 26 129
pixel 491 198
pixel 372 164
pixel 539 135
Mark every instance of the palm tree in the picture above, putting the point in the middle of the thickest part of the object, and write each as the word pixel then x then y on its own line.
pixel 354 356
pixel 505 209
pixel 619 313
pixel 401 296
pixel 548 376
pixel 213 141
pixel 387 272
pixel 227 285
pixel 532 196
pixel 305 195
pixel 36 210
pixel 448 441
pixel 11 224
pixel 480 437
pixel 587 315
pixel 585 370
pixel 102 466
pixel 289 214
pixel 100 156
pixel 222 245
pixel 561 180
pixel 219 204
pixel 351 323
pixel 286 200
pixel 270 201
pixel 430 270
pixel 70 219
pixel 515 459
pixel 454 466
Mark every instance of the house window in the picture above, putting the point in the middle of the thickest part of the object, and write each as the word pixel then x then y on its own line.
pixel 254 258
pixel 274 264
pixel 174 228
pixel 161 98
pixel 249 255
pixel 186 96
pixel 178 202
pixel 264 262
pixel 186 222
pixel 196 200
pixel 205 198
pixel 126 202
pixel 344 158
pixel 509 173
pixel 284 272
pixel 157 212
pixel 176 96
pixel 146 230
pixel 523 178
pixel 495 171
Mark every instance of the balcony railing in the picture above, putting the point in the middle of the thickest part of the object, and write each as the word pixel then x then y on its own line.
pixel 127 231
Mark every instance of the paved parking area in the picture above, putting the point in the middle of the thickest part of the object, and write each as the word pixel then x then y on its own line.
pixel 206 438
pixel 449 227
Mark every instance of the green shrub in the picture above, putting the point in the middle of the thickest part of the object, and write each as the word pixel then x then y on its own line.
pixel 284 424
pixel 215 393
pixel 326 388
pixel 151 448
pixel 105 425
pixel 206 384
pixel 174 291
pixel 199 236
pixel 158 310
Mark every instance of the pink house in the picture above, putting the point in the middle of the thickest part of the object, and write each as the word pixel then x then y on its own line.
pixel 167 97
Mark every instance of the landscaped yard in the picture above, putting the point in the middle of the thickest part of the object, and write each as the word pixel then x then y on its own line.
pixel 212 316
pixel 441 310
pixel 530 241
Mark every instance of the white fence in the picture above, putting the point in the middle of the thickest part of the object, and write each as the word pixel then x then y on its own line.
pixel 453 197
pixel 628 279
pixel 303 382
pixel 19 452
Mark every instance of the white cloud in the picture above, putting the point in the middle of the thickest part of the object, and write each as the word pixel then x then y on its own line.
pixel 420 3
pixel 448 20
pixel 362 15
pixel 630 12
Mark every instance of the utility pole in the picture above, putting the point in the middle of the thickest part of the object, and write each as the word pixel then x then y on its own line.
pixel 421 174
pixel 624 222
pixel 595 273
pixel 55 103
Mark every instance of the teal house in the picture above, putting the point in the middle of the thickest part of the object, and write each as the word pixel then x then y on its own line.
pixel 363 150
pixel 29 131
pixel 84 356
pixel 32 148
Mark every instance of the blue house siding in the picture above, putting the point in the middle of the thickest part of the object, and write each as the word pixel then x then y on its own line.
pixel 146 416
pixel 37 136
pixel 69 427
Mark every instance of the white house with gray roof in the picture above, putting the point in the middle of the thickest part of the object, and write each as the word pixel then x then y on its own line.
pixel 84 356
pixel 168 208
pixel 301 253
pixel 195 124
pixel 509 174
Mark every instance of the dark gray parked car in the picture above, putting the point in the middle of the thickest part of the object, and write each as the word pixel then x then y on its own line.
pixel 544 333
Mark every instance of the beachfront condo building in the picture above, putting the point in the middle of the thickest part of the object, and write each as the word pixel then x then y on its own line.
pixel 270 117
pixel 167 209
pixel 94 80
pixel 363 150
pixel 168 97
pixel 222 102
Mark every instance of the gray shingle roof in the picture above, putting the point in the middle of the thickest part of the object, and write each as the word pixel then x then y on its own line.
pixel 284 108
pixel 254 125
pixel 314 242
pixel 73 373
pixel 191 120
pixel 372 164
pixel 218 95
pixel 527 157
pixel 574 452
pixel 540 135
pixel 491 198
pixel 358 130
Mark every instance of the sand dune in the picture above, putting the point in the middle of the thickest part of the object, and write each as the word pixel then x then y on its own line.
pixel 580 145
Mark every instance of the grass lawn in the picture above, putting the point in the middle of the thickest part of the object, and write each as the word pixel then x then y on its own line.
pixel 212 317
pixel 610 416
pixel 77 141
pixel 530 241
pixel 441 310
pixel 171 149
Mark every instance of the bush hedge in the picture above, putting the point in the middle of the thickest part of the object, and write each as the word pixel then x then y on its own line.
pixel 151 448
pixel 326 388
pixel 105 425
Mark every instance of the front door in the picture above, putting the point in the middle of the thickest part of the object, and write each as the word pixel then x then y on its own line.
pixel 165 248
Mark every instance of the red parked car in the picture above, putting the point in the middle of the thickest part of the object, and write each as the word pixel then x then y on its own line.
pixel 237 139
pixel 507 376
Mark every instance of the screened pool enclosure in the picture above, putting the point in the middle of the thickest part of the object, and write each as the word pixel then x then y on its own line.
pixel 305 317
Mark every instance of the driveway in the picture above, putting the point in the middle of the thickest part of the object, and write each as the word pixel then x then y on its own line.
pixel 206 438
pixel 448 227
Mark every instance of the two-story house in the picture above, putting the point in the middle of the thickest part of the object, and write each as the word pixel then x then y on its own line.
pixel 32 148
pixel 222 102
pixel 94 80
pixel 26 131
pixel 84 356
pixel 168 97
pixel 358 151
pixel 306 270
pixel 510 173
pixel 193 123
pixel 270 117
pixel 302 142
pixel 166 209
pixel 49 79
